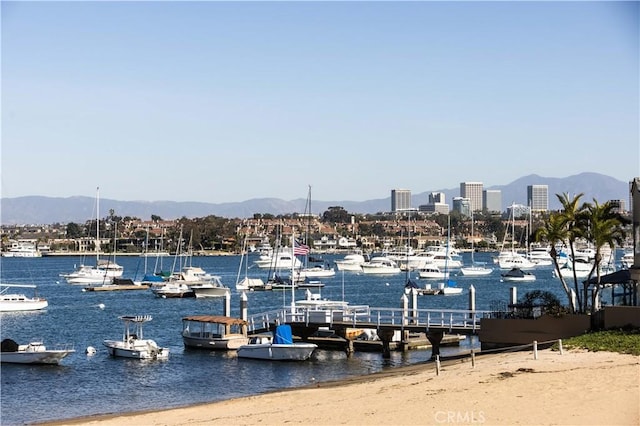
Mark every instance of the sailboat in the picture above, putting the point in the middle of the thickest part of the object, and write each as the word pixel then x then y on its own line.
pixel 448 287
pixel 247 283
pixel 513 259
pixel 104 270
pixel 476 269
pixel 319 270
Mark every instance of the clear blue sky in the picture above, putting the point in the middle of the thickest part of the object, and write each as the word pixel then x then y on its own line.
pixel 228 101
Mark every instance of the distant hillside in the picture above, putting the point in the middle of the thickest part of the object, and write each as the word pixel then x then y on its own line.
pixel 47 210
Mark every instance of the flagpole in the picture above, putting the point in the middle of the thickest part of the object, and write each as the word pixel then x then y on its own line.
pixel 293 267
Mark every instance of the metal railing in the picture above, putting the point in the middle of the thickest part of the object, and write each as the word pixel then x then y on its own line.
pixel 365 316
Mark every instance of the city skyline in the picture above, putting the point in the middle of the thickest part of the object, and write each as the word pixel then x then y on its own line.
pixel 210 101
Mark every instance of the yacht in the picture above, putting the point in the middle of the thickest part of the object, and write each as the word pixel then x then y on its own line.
pixel 22 249
pixel 280 259
pixel 351 262
pixel 380 265
pixel 102 273
pixel 17 301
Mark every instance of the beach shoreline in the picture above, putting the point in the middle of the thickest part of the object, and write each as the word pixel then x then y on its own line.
pixel 575 387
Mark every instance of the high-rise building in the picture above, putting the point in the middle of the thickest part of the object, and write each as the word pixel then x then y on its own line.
pixel 436 197
pixel 462 205
pixel 538 198
pixel 400 200
pixel 618 205
pixel 436 204
pixel 436 208
pixel 492 200
pixel 472 191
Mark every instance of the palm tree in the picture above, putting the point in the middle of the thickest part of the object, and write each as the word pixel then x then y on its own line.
pixel 603 226
pixel 569 218
pixel 554 231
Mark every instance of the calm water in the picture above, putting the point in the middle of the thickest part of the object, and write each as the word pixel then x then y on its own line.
pixel 86 385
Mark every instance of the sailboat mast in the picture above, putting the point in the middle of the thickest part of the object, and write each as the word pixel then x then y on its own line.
pixel 293 269
pixel 472 240
pixel 97 225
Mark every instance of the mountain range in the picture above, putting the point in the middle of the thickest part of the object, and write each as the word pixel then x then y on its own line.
pixel 79 209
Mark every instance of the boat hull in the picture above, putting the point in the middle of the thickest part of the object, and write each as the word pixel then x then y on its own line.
pixel 277 352
pixel 475 271
pixel 143 349
pixel 32 353
pixel 214 343
pixel 22 306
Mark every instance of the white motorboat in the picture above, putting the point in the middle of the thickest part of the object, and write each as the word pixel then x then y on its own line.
pixel 276 347
pixel 280 259
pixel 442 289
pixel 316 271
pixel 432 272
pixel 518 275
pixel 133 345
pixel 17 302
pixel 22 249
pixel 540 255
pixel 351 262
pixel 513 259
pixel 32 353
pixel 172 290
pixel 628 257
pixel 380 265
pixel 101 273
pixel 211 288
pixel 214 332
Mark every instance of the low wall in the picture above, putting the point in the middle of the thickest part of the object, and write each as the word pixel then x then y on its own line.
pixel 496 333
pixel 621 316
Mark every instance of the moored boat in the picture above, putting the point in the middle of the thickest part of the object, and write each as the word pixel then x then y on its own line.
pixel 518 275
pixel 32 353
pixel 278 346
pixel 18 301
pixel 214 332
pixel 133 345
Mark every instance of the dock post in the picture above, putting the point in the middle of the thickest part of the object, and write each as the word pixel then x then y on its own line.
pixel 349 348
pixel 414 303
pixel 560 345
pixel 405 309
pixel 435 337
pixel 513 297
pixel 472 301
pixel 244 302
pixel 227 303
pixel 386 336
pixel 437 365
pixel 535 349
pixel 473 359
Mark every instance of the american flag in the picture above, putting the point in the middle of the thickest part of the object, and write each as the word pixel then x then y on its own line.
pixel 300 249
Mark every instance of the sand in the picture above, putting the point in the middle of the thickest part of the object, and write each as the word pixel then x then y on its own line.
pixel 573 388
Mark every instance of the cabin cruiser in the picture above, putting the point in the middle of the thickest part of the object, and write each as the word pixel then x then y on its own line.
pixel 18 301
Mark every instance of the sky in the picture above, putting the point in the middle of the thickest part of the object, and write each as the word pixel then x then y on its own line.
pixel 223 102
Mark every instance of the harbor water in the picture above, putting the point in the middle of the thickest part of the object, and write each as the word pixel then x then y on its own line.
pixel 86 385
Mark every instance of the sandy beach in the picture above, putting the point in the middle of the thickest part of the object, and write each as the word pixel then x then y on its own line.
pixel 573 388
